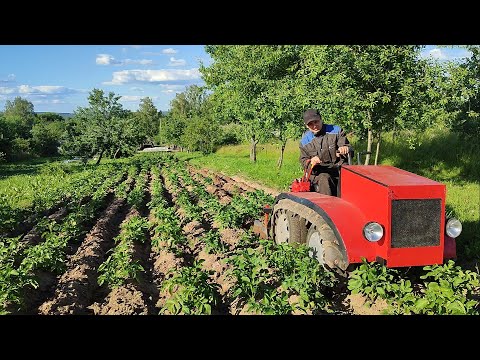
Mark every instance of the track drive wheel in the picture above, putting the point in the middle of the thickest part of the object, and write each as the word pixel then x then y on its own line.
pixel 289 227
pixel 323 245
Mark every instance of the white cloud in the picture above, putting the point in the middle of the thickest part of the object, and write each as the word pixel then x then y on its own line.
pixel 129 98
pixel 105 59
pixel 438 54
pixel 7 90
pixel 168 88
pixel 135 98
pixel 135 88
pixel 141 62
pixel 44 89
pixel 152 76
pixel 169 51
pixel 177 62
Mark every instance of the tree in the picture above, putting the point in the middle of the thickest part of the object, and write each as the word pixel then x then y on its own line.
pixel 46 137
pixel 148 120
pixel 20 116
pixel 125 136
pixel 185 108
pixel 461 92
pixel 368 89
pixel 202 134
pixel 99 128
pixel 49 117
pixel 173 125
pixel 238 88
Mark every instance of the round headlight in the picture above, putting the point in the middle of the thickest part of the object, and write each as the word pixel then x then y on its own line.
pixel 373 231
pixel 453 227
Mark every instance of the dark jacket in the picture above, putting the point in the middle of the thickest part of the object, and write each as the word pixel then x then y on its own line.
pixel 324 144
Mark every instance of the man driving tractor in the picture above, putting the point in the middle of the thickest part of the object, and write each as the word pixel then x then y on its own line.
pixel 325 148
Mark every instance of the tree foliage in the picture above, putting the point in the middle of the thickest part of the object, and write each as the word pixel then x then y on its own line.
pixel 238 81
pixel 368 89
pixel 461 93
pixel 20 116
pixel 103 128
pixel 191 122
pixel 148 120
pixel 46 137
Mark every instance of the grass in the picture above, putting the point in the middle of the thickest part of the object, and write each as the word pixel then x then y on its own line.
pixel 235 160
pixel 26 167
pixel 440 155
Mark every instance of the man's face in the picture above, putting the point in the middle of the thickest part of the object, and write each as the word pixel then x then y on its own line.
pixel 314 126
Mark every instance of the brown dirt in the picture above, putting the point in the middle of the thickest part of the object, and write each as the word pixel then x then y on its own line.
pixel 75 288
pixel 231 236
pixel 358 304
pixel 166 261
pixel 124 300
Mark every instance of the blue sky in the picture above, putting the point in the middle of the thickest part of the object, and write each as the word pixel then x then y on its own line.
pixel 58 78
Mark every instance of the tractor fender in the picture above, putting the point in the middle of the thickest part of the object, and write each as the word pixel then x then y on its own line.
pixel 345 219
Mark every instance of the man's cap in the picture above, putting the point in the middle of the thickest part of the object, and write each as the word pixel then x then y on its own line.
pixel 311 115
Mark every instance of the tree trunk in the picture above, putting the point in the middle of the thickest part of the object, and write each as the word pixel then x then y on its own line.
pixel 99 157
pixel 378 147
pixel 369 147
pixel 253 150
pixel 116 152
pixel 282 150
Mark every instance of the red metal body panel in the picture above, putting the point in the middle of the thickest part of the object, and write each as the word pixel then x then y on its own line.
pixel 372 189
pixel 366 194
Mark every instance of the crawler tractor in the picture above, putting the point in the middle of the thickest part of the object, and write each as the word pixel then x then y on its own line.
pixel 381 213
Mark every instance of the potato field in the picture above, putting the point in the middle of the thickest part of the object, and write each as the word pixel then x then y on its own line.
pixel 154 236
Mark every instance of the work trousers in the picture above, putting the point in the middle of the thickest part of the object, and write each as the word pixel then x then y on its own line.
pixel 325 181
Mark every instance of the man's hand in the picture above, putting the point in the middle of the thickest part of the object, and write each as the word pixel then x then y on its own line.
pixel 342 150
pixel 315 160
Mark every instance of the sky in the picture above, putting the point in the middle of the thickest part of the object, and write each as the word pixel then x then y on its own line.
pixel 59 78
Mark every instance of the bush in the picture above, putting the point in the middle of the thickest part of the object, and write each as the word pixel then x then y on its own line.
pixel 231 134
pixel 21 149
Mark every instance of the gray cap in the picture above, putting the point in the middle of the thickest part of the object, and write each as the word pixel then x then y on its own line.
pixel 311 115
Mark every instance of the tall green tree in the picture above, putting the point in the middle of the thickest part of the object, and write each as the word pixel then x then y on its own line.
pixel 125 136
pixel 20 116
pixel 173 125
pixel 368 89
pixel 239 87
pixel 46 137
pixel 46 133
pixel 279 104
pixel 148 120
pixel 461 93
pixel 99 128
pixel 185 108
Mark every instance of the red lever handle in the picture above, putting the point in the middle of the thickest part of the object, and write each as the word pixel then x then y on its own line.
pixel 305 178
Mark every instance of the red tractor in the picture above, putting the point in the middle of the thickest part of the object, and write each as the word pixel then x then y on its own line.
pixel 381 213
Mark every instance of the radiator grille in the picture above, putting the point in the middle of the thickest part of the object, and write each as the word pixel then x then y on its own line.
pixel 415 223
